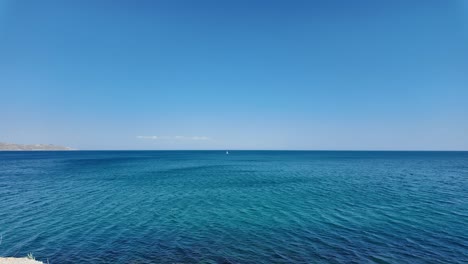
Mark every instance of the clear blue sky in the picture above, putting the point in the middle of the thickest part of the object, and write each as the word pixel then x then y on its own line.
pixel 235 74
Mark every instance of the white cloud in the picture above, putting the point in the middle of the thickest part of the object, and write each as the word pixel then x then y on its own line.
pixel 174 137
pixel 148 137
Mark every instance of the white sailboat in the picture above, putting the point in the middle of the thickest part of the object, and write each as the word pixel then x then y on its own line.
pixel 227 152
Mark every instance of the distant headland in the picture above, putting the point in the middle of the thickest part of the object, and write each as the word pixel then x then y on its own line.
pixel 13 147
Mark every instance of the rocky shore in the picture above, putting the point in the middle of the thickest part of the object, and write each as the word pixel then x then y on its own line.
pixel 19 261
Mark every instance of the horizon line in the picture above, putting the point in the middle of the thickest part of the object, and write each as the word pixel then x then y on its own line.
pixel 298 150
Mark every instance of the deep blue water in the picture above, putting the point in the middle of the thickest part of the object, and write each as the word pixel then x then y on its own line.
pixel 246 207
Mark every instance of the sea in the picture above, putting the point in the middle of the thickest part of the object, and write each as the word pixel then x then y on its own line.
pixel 245 207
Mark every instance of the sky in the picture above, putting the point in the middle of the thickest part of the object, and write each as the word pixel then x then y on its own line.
pixel 243 74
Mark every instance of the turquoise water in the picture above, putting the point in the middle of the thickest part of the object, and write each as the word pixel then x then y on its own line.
pixel 246 207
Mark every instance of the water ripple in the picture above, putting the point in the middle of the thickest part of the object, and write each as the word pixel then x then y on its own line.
pixel 247 207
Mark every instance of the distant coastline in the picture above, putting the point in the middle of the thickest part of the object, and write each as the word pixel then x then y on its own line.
pixel 31 147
